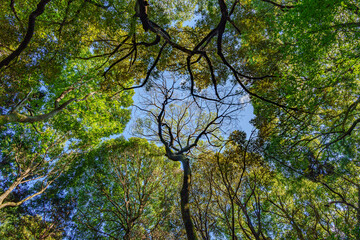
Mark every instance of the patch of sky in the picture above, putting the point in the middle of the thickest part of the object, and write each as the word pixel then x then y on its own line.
pixel 241 122
pixel 91 49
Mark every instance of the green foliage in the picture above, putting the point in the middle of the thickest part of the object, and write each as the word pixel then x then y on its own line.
pixel 127 189
pixel 28 227
pixel 63 94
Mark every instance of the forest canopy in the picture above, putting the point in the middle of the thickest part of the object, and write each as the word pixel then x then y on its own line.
pixel 73 72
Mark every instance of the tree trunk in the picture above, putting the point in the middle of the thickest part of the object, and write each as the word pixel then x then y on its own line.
pixel 185 205
pixel 358 214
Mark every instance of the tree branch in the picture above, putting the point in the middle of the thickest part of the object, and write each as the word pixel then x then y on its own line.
pixel 29 34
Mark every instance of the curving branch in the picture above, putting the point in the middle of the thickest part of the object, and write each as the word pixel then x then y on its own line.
pixel 22 118
pixel 34 170
pixel 12 6
pixel 348 132
pixel 198 50
pixel 15 204
pixel 15 116
pixel 29 33
pixel 148 74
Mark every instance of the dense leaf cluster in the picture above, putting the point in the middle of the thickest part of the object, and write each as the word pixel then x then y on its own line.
pixel 68 70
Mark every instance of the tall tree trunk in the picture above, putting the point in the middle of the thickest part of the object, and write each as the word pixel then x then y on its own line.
pixel 358 214
pixel 233 237
pixel 185 205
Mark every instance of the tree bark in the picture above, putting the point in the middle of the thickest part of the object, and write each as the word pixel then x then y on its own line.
pixel 358 214
pixel 185 205
pixel 16 183
pixel 18 117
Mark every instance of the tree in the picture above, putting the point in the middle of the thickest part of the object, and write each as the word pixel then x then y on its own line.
pixel 128 192
pixel 44 75
pixel 66 68
pixel 29 164
pixel 234 181
pixel 321 77
pixel 30 227
pixel 236 195
pixel 180 129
